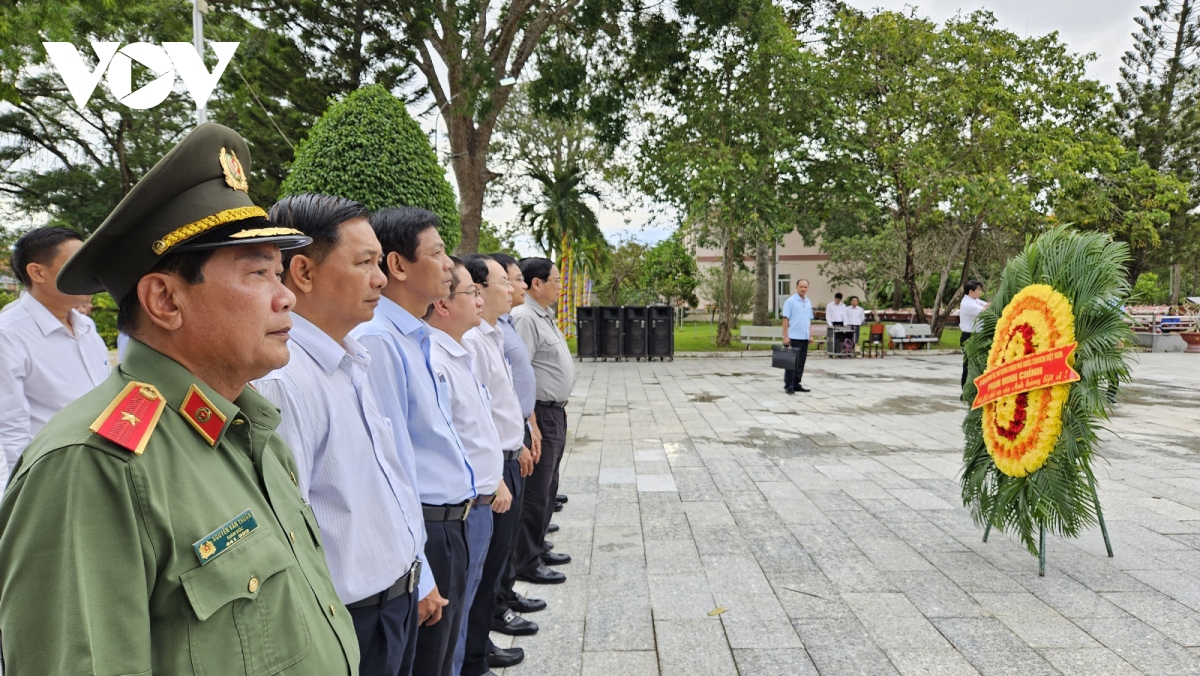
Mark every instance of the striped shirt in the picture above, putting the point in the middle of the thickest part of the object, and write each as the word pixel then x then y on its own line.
pixel 346 462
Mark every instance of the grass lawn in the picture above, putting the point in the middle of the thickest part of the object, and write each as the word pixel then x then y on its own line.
pixel 701 337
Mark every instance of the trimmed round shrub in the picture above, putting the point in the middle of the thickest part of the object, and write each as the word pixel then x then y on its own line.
pixel 369 149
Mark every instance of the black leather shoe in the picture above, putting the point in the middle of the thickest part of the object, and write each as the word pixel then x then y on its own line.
pixel 560 498
pixel 555 559
pixel 542 575
pixel 801 388
pixel 553 528
pixel 549 545
pixel 558 506
pixel 505 657
pixel 790 391
pixel 524 605
pixel 514 625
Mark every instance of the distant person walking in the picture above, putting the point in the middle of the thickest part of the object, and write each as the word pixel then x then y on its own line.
pixel 797 317
pixel 968 318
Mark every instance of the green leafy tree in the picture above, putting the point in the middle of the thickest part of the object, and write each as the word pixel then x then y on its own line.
pixel 368 148
pixel 622 274
pixel 1159 107
pixel 719 146
pixel 669 272
pixel 562 222
pixel 740 288
pixel 961 132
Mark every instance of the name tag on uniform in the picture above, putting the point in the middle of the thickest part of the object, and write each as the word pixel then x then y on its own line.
pixel 212 545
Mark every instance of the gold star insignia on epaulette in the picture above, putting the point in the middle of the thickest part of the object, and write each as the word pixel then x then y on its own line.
pixel 121 422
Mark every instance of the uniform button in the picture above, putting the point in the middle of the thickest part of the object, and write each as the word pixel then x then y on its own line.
pixel 292 535
pixel 253 586
pixel 331 612
pixel 238 421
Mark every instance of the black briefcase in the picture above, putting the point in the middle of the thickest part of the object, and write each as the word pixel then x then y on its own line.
pixel 785 357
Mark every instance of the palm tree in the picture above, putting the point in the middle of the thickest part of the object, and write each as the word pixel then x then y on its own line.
pixel 566 228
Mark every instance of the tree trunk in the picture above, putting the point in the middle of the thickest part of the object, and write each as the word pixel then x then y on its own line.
pixel 897 292
pixel 1176 279
pixel 724 330
pixel 762 284
pixel 468 156
pixel 775 278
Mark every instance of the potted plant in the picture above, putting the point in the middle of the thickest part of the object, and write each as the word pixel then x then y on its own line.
pixel 1192 336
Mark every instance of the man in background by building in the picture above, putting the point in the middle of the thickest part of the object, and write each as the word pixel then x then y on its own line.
pixel 968 317
pixel 50 353
pixel 797 317
pixel 555 374
pixel 835 312
pixel 855 317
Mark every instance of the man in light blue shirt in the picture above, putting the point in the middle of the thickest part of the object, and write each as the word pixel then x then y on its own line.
pixel 419 273
pixel 345 450
pixel 797 317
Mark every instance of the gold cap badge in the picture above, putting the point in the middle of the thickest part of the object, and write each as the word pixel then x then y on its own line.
pixel 235 177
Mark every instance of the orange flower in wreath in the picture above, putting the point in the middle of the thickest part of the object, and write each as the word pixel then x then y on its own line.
pixel 1021 430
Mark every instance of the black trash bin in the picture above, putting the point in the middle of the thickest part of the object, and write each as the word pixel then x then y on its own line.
pixel 611 332
pixel 662 331
pixel 587 333
pixel 635 332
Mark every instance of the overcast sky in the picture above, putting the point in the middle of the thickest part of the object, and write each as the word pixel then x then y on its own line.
pixel 1102 27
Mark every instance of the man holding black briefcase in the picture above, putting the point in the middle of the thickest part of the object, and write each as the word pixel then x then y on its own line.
pixel 797 316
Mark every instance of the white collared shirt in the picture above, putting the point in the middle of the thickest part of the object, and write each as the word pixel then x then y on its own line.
pixel 347 464
pixel 486 344
pixel 835 312
pixel 855 315
pixel 471 408
pixel 968 313
pixel 43 367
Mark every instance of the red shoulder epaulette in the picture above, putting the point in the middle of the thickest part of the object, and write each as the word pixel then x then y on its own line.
pixel 131 417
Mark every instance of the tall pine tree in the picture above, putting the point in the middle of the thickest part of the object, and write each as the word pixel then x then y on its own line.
pixel 1159 105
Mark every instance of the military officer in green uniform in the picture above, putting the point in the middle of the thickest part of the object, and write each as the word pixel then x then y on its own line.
pixel 154 526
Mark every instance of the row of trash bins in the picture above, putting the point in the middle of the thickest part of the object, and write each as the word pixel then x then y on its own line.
pixel 625 332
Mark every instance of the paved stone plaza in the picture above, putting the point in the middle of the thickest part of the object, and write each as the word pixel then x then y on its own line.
pixel 720 526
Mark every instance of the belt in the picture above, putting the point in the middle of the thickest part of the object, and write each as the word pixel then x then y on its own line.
pixel 403 586
pixel 484 500
pixel 552 404
pixel 511 455
pixel 447 512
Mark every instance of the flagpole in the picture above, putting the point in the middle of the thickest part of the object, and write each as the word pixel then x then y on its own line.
pixel 199 8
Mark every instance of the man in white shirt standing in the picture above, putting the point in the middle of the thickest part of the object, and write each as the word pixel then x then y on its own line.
pixel 486 343
pixel 835 312
pixel 347 464
pixel 471 411
pixel 968 317
pixel 855 317
pixel 50 354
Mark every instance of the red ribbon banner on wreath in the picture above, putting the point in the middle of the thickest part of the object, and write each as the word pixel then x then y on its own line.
pixel 1032 372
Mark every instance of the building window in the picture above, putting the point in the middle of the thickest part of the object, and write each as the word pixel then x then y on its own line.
pixel 783 287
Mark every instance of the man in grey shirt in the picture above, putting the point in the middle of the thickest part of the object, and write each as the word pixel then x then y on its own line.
pixel 554 371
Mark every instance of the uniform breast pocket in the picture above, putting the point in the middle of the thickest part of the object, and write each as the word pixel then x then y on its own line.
pixel 246 615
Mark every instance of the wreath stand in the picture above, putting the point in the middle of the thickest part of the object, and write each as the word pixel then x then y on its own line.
pixel 1042 531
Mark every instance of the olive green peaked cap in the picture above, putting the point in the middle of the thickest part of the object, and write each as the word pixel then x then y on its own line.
pixel 194 198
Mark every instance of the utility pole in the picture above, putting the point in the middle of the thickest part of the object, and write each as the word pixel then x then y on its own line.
pixel 199 9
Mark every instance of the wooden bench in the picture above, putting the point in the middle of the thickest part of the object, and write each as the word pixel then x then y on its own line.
pixel 773 335
pixel 760 335
pixel 913 334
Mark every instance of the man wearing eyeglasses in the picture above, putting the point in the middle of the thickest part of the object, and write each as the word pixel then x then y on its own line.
pixel 471 409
